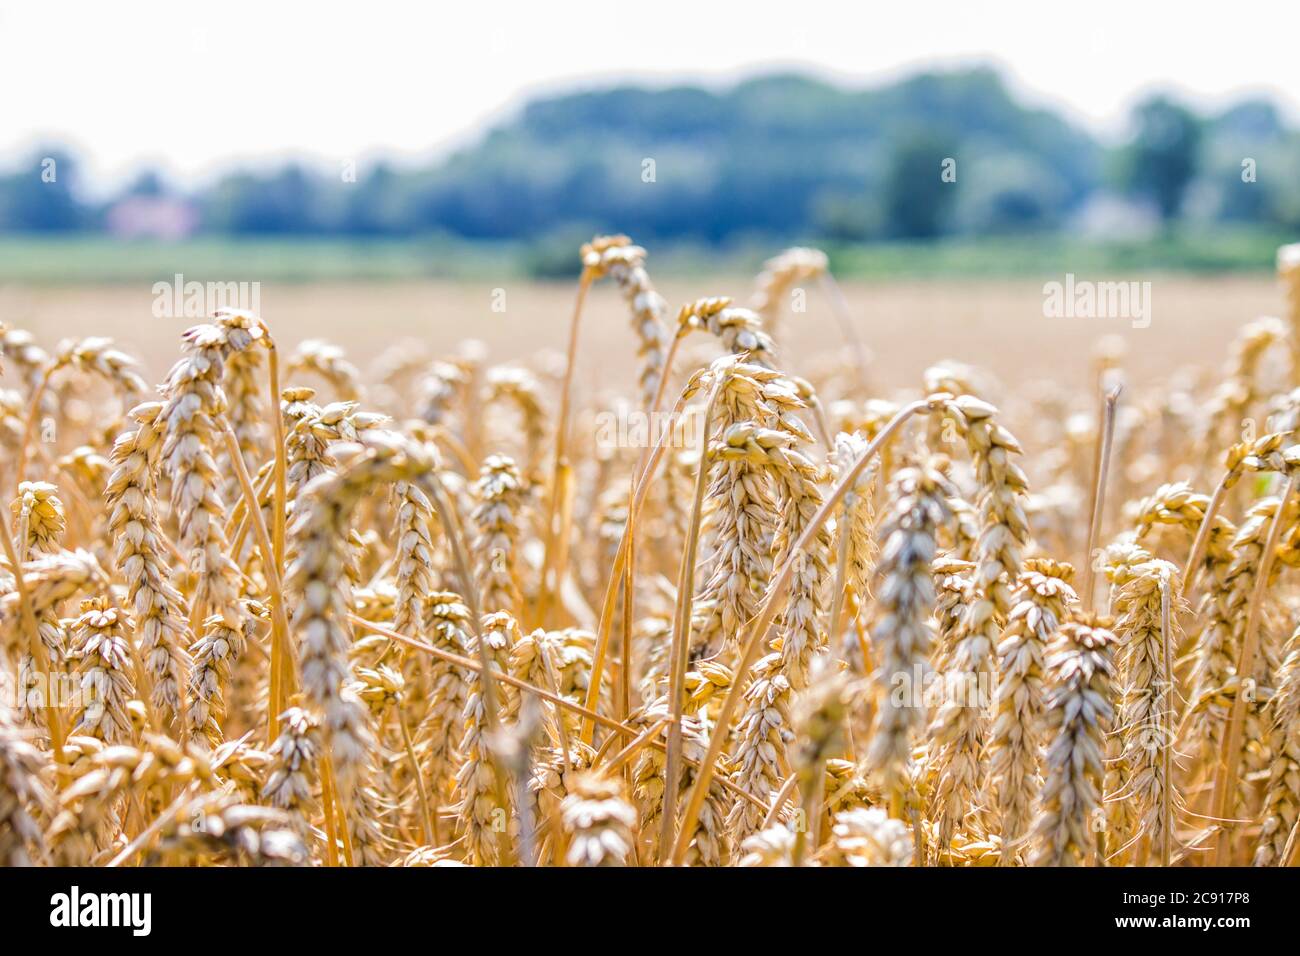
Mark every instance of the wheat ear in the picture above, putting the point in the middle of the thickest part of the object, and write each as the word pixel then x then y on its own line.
pixel 141 558
pixel 818 716
pixel 856 552
pixel 1080 672
pixel 1226 780
pixel 329 362
pixel 706 842
pixel 763 730
pixel 104 666
pixel 750 645
pixel 499 493
pixel 868 837
pixel 447 624
pixel 744 519
pixel 599 822
pixel 94 355
pixel 22 794
pixel 318 572
pixel 1146 707
pixel 520 388
pixel 481 814
pixel 1282 799
pixel 616 257
pixel 901 632
pixel 1017 733
pixel 292 772
pixel 780 275
pixel 958 728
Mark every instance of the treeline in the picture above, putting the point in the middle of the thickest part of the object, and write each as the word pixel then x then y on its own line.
pixel 778 157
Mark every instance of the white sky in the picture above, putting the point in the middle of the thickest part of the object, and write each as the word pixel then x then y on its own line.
pixel 198 87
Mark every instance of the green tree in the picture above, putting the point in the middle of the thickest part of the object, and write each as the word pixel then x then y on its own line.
pixel 41 195
pixel 1164 155
pixel 918 197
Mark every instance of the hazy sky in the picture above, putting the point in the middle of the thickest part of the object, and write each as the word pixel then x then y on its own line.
pixel 197 87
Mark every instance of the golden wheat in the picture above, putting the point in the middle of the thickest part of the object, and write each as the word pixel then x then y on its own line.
pixel 379 630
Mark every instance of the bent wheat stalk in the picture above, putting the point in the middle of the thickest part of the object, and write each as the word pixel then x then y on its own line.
pixel 609 603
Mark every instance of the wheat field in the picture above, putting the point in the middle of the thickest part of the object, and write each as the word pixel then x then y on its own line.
pixel 770 573
pixel 996 324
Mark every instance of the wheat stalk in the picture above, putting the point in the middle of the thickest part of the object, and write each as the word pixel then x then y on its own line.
pixel 749 646
pixel 40 526
pixel 1282 799
pixel 958 728
pixel 193 401
pixel 22 793
pixel 481 812
pixel 745 506
pixel 19 347
pixel 771 846
pixel 329 362
pixel 87 813
pixel 599 822
pixel 857 547
pixel 415 526
pixel 213 658
pixel 447 626
pixel 103 664
pixel 763 728
pixel 740 330
pixel 1250 456
pixel 93 355
pixel 318 573
pixel 901 632
pixel 1221 643
pixel 1230 754
pixel 246 410
pixel 1080 671
pixel 1145 722
pixel 39 515
pixel 384 727
pixel 1288 270
pixel 616 257
pixel 499 496
pixel 1239 393
pixel 706 842
pixel 140 557
pixel 1177 505
pixel 780 275
pixel 520 388
pixel 818 717
pixel 1017 734
pixel 291 774
pixel 867 836
pixel 213 828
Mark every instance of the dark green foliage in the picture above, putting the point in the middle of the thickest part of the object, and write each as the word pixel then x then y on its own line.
pixel 771 159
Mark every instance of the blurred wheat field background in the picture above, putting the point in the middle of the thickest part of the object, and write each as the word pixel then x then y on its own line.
pixel 996 324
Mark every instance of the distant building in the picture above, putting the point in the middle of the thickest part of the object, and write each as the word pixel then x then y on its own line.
pixel 152 217
pixel 1108 216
